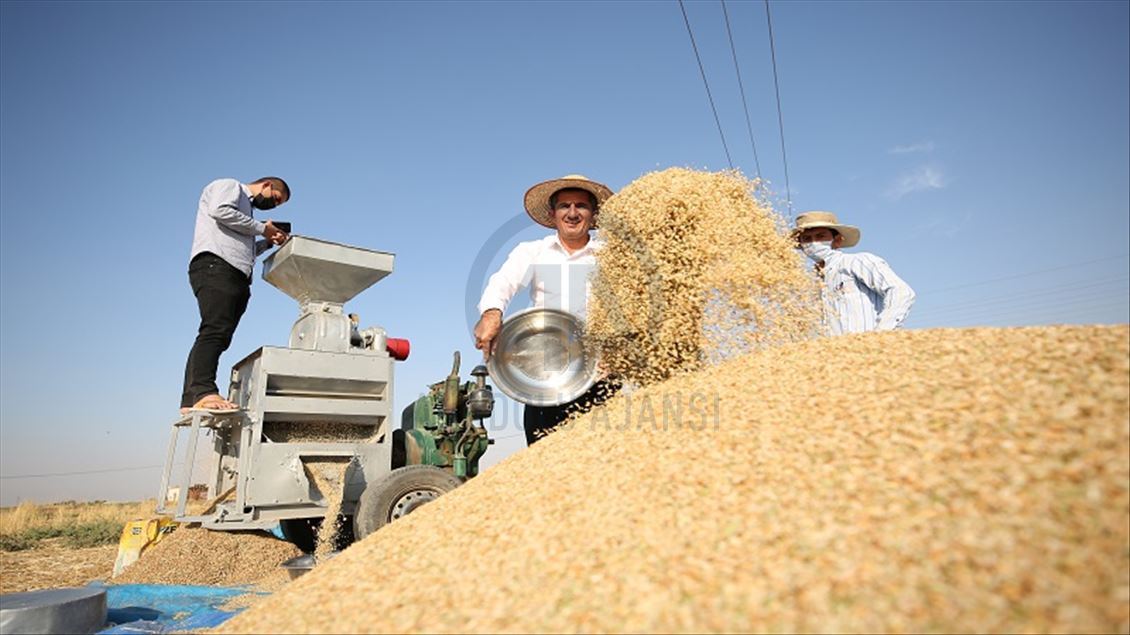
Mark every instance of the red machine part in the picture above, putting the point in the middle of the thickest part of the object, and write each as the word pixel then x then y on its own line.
pixel 398 348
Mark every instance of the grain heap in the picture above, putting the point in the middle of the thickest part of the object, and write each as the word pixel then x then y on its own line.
pixel 694 268
pixel 191 555
pixel 936 481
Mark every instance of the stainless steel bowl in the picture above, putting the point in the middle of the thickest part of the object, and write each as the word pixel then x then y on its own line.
pixel 540 358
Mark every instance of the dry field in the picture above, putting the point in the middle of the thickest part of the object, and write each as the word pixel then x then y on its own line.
pixel 61 544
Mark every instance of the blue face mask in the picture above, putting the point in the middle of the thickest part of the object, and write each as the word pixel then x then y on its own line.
pixel 817 251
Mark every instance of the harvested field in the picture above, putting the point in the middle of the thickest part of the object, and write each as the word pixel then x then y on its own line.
pixel 933 481
pixel 191 555
pixel 52 564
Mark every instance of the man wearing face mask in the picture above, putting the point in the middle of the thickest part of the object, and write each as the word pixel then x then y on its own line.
pixel 861 292
pixel 556 268
pixel 224 248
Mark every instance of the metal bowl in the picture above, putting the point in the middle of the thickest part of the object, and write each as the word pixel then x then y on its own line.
pixel 301 565
pixel 540 358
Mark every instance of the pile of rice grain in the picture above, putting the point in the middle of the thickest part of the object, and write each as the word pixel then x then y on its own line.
pixel 932 481
pixel 191 555
pixel 694 268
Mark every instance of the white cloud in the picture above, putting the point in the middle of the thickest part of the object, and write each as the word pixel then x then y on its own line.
pixel 921 179
pixel 924 146
pixel 940 226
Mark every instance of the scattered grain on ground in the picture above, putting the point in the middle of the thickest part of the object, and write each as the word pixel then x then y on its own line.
pixel 934 481
pixel 52 564
pixel 192 555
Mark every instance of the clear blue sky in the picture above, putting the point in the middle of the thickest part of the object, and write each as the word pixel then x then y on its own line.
pixel 982 147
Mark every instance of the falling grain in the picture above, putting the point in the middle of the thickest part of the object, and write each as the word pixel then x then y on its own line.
pixel 694 269
pixel 328 475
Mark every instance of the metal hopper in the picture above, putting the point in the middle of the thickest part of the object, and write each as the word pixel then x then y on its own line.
pixel 311 270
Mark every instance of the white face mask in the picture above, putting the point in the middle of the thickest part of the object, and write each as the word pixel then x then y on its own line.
pixel 817 251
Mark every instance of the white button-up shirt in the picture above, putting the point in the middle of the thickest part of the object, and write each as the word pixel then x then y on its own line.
pixel 557 279
pixel 862 293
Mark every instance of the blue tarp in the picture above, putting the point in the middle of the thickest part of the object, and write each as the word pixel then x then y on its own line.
pixel 166 608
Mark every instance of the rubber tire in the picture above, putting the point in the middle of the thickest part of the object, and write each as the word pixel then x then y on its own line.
pixel 374 509
pixel 408 417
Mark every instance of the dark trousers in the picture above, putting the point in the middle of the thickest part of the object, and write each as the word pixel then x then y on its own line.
pixel 539 420
pixel 222 292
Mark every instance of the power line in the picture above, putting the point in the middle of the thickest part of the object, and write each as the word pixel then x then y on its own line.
pixel 1067 295
pixel 1027 273
pixel 780 117
pixel 748 125
pixel 1031 313
pixel 1064 291
pixel 104 471
pixel 710 97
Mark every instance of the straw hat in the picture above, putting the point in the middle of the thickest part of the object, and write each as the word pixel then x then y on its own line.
pixel 537 197
pixel 809 220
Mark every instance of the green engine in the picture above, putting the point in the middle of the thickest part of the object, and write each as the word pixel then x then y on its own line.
pixel 439 428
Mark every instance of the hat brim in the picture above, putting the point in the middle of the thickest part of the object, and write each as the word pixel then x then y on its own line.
pixel 851 234
pixel 537 197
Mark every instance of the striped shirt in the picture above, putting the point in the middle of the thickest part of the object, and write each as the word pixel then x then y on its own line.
pixel 861 293
pixel 225 225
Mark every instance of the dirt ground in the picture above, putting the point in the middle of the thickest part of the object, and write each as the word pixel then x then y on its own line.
pixel 52 564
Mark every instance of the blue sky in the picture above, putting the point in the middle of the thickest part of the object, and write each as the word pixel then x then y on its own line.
pixel 982 147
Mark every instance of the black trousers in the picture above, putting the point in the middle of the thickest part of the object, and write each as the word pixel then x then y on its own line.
pixel 539 420
pixel 222 292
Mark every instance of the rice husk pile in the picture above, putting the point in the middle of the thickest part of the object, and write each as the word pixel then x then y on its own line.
pixel 192 555
pixel 695 268
pixel 932 481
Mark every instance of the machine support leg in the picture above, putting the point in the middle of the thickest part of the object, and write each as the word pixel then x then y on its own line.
pixel 246 426
pixel 189 462
pixel 163 495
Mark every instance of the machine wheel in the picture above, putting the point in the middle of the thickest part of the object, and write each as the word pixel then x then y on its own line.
pixel 408 417
pixel 397 494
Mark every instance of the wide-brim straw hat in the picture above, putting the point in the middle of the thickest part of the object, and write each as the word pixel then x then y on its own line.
pixel 537 197
pixel 810 220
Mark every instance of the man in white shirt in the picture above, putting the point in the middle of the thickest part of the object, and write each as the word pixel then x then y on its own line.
pixel 861 292
pixel 556 269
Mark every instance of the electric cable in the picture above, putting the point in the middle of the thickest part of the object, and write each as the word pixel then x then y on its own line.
pixel 1061 292
pixel 709 97
pixel 780 117
pixel 741 88
pixel 1024 274
pixel 81 472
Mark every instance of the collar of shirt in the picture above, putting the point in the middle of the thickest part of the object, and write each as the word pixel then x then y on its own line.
pixel 591 245
pixel 246 191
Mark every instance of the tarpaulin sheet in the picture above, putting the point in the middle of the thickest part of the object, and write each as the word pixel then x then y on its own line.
pixel 166 608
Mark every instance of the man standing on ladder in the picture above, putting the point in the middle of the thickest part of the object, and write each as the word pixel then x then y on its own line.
pixel 224 249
